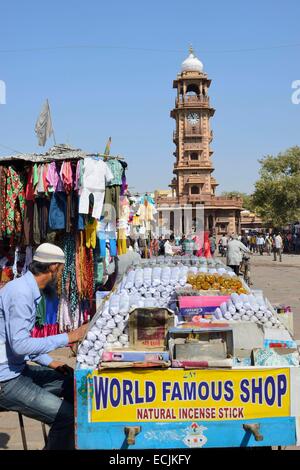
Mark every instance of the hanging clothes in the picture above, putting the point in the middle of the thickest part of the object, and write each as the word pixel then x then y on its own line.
pixel 54 179
pixel 29 192
pixel 90 234
pixel 57 211
pixel 124 182
pixel 117 171
pixel 15 201
pixel 3 180
pixel 112 197
pixel 96 174
pixel 40 219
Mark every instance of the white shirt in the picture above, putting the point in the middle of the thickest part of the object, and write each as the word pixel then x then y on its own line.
pixel 224 241
pixel 260 241
pixel 168 248
pixel 278 241
pixel 95 174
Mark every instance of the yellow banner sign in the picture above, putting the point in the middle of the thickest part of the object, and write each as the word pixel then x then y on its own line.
pixel 178 395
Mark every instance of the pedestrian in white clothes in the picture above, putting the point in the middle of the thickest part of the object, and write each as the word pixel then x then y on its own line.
pixel 278 247
pixel 168 249
pixel 260 244
pixel 235 250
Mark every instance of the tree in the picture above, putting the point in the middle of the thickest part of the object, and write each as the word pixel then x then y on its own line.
pixel 277 193
pixel 247 198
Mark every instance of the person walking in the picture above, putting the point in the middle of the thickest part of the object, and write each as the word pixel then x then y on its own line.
pixel 235 250
pixel 36 391
pixel 260 244
pixel 268 244
pixel 244 240
pixel 213 244
pixel 168 248
pixel 223 245
pixel 253 243
pixel 278 247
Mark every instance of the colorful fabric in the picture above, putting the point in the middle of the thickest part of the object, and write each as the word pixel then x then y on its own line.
pixel 68 282
pixel 79 174
pixel 57 211
pixel 67 176
pixel 40 188
pixel 51 310
pixel 15 196
pixel 41 312
pixel 112 197
pixel 45 181
pixel 35 175
pixel 54 179
pixel 44 331
pixel 3 181
pixel 122 245
pixel 117 171
pixel 29 192
pixel 90 234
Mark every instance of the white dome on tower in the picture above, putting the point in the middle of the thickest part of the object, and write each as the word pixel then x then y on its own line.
pixel 192 63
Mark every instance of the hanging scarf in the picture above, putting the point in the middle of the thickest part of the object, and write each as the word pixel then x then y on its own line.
pixel 68 282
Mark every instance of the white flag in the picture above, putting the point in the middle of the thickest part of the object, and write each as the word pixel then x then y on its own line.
pixel 43 127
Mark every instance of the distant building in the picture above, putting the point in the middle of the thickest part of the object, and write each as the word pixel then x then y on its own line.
pixel 250 221
pixel 193 183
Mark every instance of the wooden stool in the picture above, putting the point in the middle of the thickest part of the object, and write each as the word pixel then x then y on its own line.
pixel 22 429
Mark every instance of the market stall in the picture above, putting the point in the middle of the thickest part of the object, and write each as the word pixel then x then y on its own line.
pixel 183 354
pixel 70 198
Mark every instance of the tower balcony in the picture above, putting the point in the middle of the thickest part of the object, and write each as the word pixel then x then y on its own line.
pixel 191 165
pixel 195 179
pixel 192 133
pixel 192 101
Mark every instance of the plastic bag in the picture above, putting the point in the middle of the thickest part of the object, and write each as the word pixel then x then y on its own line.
pixel 124 304
pixel 165 276
pixel 139 278
pixel 130 280
pixel 175 271
pixel 114 304
pixel 147 277
pixel 156 275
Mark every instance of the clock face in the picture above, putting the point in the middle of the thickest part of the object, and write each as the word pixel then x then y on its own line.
pixel 193 118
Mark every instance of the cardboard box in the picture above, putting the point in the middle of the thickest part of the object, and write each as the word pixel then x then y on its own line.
pixel 148 328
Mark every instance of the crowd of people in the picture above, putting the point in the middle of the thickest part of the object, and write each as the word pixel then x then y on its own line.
pixel 188 245
pixel 263 243
pixel 269 243
pixel 236 248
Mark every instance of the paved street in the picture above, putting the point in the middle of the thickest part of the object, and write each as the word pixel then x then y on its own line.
pixel 280 283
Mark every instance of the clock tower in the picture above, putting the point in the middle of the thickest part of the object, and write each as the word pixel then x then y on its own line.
pixel 193 182
pixel 193 185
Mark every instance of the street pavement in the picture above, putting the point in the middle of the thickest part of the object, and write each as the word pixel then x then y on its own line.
pixel 280 283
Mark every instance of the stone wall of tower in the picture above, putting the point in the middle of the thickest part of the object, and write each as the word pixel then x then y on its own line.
pixel 193 138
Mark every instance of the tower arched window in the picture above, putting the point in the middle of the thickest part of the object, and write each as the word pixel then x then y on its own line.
pixel 192 90
pixel 194 156
pixel 195 190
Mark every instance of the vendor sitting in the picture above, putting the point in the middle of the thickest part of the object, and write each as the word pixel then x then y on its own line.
pixel 36 391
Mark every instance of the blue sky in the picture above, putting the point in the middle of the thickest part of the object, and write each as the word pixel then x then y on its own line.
pixel 107 69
